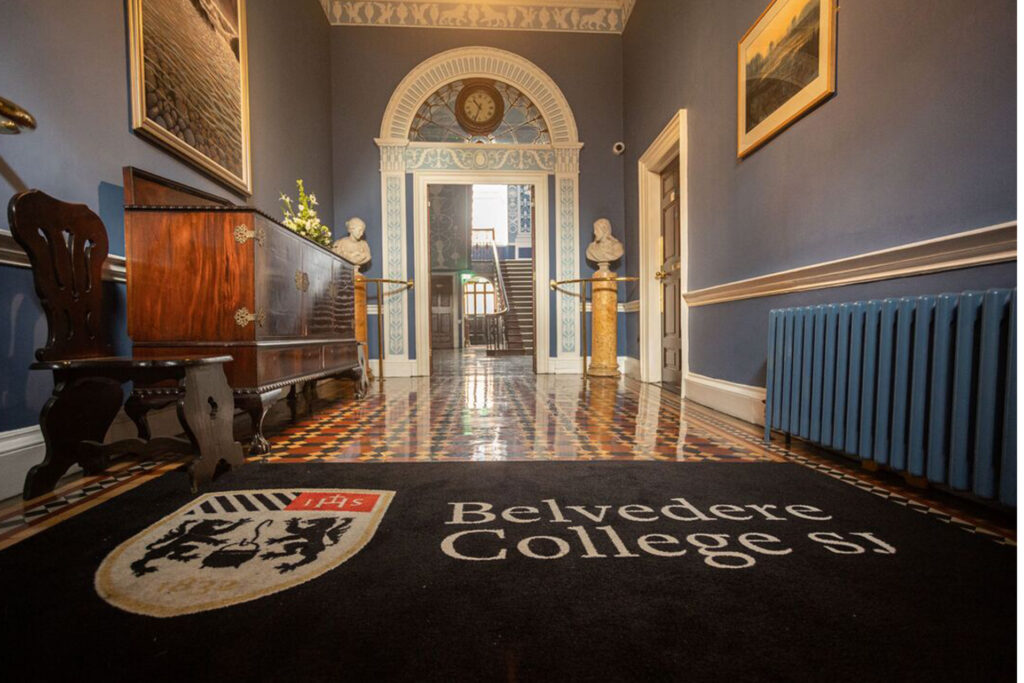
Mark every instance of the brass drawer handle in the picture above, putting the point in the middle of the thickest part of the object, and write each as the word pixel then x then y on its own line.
pixel 244 234
pixel 301 281
pixel 243 317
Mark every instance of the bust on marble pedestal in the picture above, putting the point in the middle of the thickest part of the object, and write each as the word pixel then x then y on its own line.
pixel 352 247
pixel 604 336
pixel 605 248
pixel 355 250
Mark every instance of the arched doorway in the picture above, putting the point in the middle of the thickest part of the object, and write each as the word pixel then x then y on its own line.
pixel 552 164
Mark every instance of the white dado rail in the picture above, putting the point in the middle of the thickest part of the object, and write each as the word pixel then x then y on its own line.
pixel 13 255
pixel 984 246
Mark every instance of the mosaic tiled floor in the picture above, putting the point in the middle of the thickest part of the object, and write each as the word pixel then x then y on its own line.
pixel 488 417
pixel 498 410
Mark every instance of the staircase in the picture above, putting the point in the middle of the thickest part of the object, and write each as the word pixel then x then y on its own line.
pixel 518 276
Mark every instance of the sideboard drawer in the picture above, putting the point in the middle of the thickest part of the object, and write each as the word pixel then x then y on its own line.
pixel 341 355
pixel 280 363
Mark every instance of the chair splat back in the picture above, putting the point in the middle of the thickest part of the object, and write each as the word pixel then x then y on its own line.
pixel 66 245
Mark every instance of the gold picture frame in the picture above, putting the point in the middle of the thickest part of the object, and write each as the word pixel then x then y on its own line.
pixel 193 112
pixel 786 66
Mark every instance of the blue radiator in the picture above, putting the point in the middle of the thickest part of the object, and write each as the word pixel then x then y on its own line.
pixel 922 385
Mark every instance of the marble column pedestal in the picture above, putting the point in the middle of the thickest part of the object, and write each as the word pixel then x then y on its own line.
pixel 604 334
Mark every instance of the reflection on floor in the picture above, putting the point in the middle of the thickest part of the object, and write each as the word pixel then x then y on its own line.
pixel 497 416
pixel 498 409
pixel 474 361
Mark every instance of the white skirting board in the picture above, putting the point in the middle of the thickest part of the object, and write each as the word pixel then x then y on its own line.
pixel 629 366
pixel 395 367
pixel 22 448
pixel 565 366
pixel 739 400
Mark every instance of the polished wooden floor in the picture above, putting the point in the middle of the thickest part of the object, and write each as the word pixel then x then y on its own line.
pixel 477 408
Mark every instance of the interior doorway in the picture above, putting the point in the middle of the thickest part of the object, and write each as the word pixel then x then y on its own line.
pixel 668 275
pixel 480 240
pixel 662 183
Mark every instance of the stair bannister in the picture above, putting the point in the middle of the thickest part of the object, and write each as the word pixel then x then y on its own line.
pixel 495 322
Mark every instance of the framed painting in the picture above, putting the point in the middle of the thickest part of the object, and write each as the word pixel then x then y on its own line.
pixel 190 91
pixel 786 67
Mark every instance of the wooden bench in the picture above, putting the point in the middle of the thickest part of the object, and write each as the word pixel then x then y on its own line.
pixel 66 245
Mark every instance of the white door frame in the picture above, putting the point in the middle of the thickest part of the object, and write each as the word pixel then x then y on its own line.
pixel 421 251
pixel 669 144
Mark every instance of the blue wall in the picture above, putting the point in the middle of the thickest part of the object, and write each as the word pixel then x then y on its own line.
pixel 67 63
pixel 919 141
pixel 368 64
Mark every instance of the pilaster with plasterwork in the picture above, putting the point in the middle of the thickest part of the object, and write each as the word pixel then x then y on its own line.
pixel 567 248
pixel 393 244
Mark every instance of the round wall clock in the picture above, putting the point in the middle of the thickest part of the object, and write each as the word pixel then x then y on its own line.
pixel 479 107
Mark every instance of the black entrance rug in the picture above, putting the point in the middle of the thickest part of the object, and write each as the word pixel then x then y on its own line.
pixel 508 571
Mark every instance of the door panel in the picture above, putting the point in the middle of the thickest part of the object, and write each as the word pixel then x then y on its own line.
pixel 343 290
pixel 318 301
pixel 442 312
pixel 668 273
pixel 276 293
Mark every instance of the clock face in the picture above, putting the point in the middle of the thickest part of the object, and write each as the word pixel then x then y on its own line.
pixel 479 108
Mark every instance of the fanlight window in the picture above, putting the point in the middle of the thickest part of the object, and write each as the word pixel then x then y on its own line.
pixel 479 297
pixel 523 123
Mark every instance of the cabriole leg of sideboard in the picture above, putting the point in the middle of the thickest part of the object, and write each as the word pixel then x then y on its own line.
pixel 257 404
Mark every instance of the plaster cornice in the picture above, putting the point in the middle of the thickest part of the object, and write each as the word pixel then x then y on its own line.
pixel 580 16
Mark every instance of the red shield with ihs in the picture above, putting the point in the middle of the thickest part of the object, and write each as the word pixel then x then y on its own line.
pixel 231 547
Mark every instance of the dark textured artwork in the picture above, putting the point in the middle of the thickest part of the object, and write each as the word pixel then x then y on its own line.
pixel 192 75
pixel 783 60
pixel 450 216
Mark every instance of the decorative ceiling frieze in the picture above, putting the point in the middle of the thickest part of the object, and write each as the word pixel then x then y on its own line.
pixel 581 16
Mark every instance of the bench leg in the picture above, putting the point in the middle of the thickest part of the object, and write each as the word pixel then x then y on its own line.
pixel 81 409
pixel 206 410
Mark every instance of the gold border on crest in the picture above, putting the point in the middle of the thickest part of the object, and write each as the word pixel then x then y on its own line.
pixel 802 102
pixel 150 129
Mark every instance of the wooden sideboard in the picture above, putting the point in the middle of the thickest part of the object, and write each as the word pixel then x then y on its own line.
pixel 206 276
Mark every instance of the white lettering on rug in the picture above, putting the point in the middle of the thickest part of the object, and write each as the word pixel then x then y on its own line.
pixel 608 532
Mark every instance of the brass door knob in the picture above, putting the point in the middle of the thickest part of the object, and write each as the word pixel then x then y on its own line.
pixel 660 275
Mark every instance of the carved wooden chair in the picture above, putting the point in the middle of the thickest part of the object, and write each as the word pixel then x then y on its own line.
pixel 66 246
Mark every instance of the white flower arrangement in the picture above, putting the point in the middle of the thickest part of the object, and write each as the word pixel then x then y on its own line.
pixel 305 222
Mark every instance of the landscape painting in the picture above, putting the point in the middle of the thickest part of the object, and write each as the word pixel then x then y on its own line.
pixel 786 66
pixel 189 84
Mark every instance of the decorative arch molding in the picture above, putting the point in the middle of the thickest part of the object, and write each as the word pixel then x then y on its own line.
pixel 478 62
pixel 465 162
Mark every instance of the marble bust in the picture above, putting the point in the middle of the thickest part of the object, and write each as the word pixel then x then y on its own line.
pixel 605 248
pixel 352 248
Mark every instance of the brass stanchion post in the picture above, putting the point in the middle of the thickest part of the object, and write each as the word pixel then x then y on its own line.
pixel 583 325
pixel 380 332
pixel 605 282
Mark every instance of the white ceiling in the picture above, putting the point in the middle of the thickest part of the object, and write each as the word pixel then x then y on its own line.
pixel 586 16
